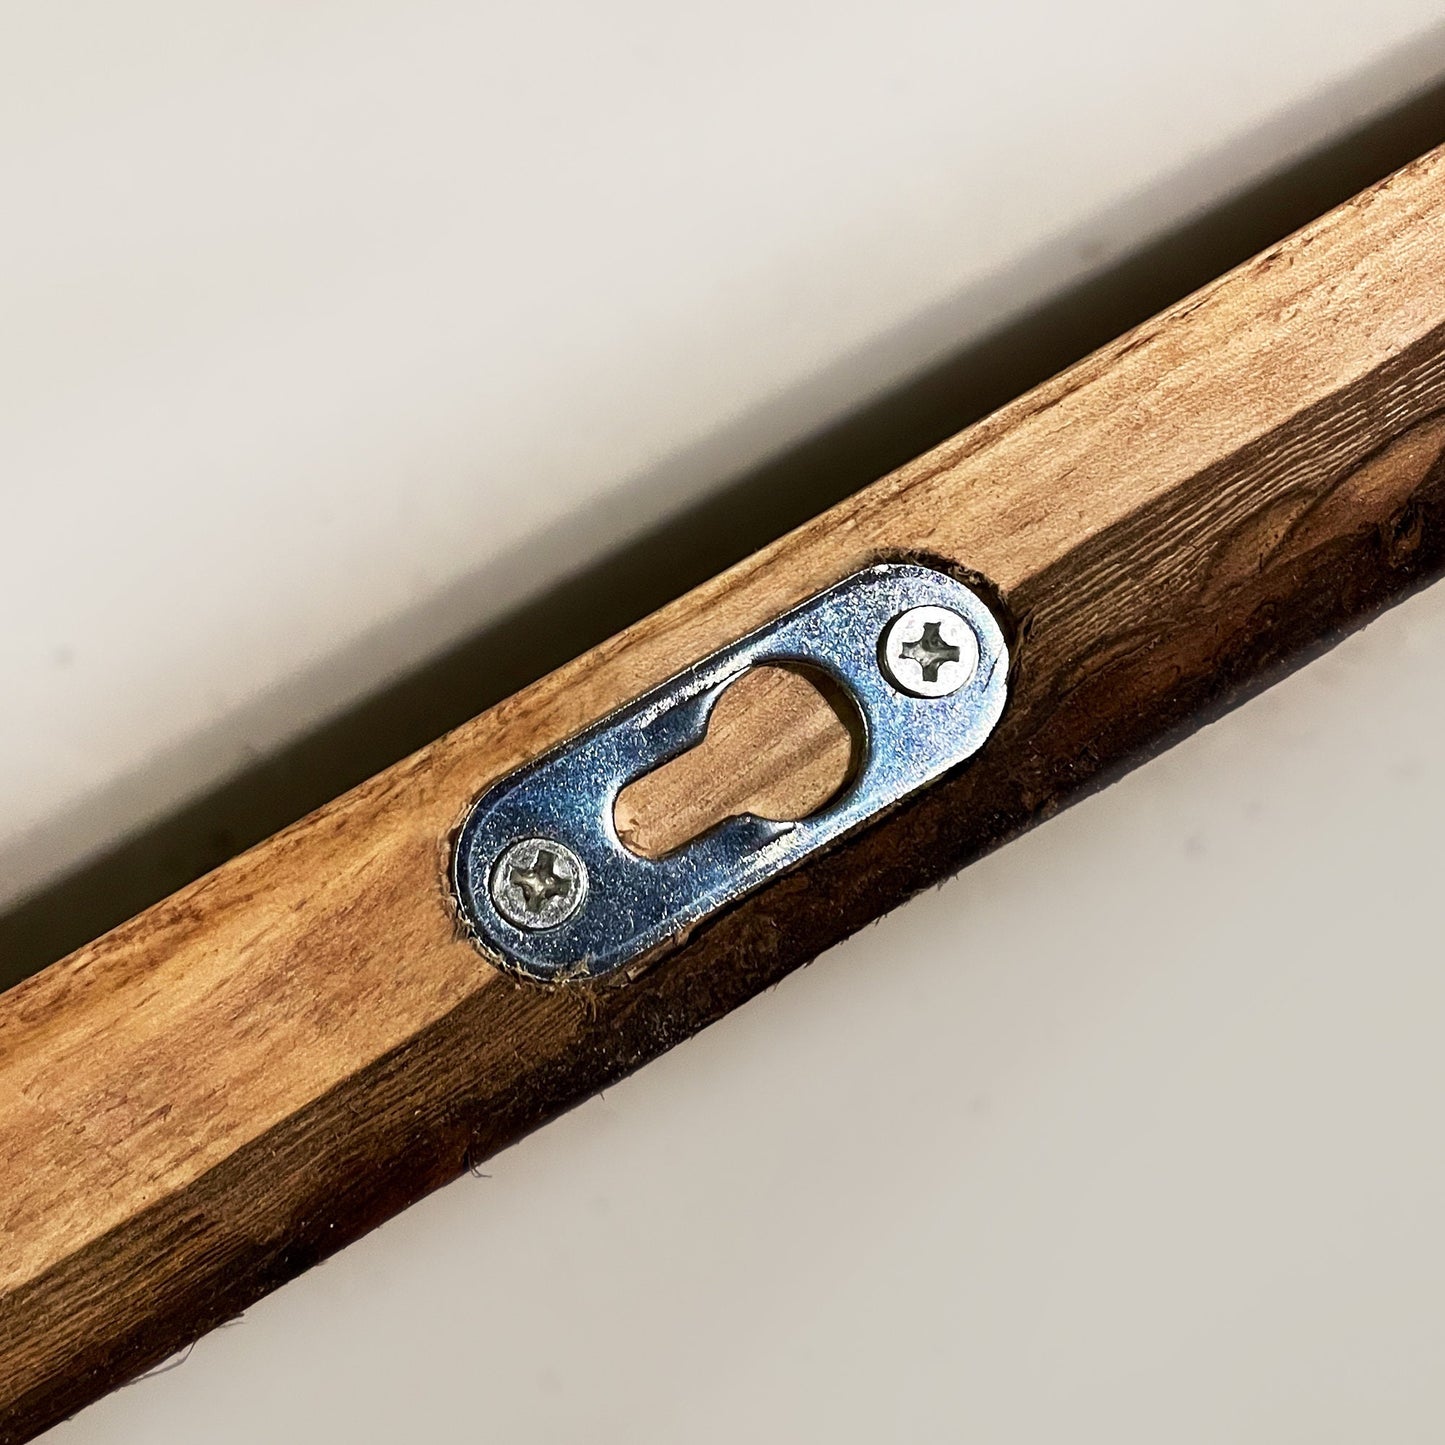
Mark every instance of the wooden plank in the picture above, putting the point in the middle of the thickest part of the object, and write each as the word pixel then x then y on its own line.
pixel 219 1093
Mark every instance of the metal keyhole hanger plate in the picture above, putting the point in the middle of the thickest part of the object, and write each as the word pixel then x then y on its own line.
pixel 543 881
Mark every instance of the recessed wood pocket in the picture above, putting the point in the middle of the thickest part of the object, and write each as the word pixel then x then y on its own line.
pixel 782 742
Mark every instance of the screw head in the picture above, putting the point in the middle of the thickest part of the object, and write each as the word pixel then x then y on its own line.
pixel 538 883
pixel 928 651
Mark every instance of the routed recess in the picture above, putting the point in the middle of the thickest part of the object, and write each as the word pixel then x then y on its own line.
pixel 777 745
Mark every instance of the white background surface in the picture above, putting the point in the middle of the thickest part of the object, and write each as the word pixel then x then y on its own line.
pixel 333 332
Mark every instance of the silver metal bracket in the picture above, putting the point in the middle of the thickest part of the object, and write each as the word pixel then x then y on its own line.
pixel 541 877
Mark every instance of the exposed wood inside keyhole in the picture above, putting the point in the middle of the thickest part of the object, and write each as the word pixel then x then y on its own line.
pixel 781 743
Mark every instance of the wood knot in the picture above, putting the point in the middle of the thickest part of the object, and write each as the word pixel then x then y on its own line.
pixel 1402 534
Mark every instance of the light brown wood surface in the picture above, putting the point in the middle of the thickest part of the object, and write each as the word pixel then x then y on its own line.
pixel 776 746
pixel 211 1097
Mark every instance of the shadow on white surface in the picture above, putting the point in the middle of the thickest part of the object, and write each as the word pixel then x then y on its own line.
pixel 637 548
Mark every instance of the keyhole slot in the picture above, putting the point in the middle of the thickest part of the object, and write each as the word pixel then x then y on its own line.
pixel 782 742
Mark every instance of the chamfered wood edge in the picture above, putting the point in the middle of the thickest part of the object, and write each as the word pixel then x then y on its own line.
pixel 1332 550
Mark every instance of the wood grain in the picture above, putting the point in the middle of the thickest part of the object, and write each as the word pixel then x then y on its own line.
pixel 219 1093
pixel 777 746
